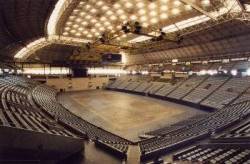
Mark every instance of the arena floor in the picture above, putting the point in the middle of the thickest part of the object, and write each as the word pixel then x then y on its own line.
pixel 126 115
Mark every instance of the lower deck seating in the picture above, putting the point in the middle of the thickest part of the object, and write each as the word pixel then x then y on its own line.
pixel 119 149
pixel 46 98
pixel 232 147
pixel 242 129
pixel 240 134
pixel 17 111
pixel 214 122
pixel 214 154
pixel 170 128
pixel 21 118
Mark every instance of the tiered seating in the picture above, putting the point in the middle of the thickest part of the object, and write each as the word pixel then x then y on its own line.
pixel 154 87
pixel 166 89
pixel 205 89
pixel 142 87
pixel 20 113
pixel 132 85
pixel 244 97
pixel 186 87
pixel 227 93
pixel 123 85
pixel 238 134
pixel 190 130
pixel 232 147
pixel 21 118
pixel 117 82
pixel 168 129
pixel 214 122
pixel 46 98
pixel 113 84
pixel 119 149
pixel 237 138
pixel 214 154
pixel 219 89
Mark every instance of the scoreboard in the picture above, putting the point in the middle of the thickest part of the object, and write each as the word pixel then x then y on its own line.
pixel 111 58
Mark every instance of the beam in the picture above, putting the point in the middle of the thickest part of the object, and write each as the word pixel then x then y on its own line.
pixel 187 2
pixel 240 3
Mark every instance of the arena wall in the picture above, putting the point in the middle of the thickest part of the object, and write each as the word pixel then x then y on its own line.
pixel 77 84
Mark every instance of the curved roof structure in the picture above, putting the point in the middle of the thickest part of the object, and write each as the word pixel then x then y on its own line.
pixel 22 22
pixel 30 25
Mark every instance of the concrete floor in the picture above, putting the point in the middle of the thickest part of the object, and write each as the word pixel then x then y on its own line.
pixel 126 115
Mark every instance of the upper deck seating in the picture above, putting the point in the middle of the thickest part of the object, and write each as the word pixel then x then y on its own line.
pixel 155 86
pixel 205 89
pixel 114 84
pixel 142 87
pixel 186 87
pixel 132 85
pixel 227 93
pixel 123 85
pixel 213 154
pixel 117 82
pixel 244 97
pixel 166 89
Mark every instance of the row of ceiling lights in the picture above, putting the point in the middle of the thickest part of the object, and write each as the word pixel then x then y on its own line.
pixel 92 18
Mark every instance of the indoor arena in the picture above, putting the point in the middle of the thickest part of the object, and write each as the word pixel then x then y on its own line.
pixel 125 81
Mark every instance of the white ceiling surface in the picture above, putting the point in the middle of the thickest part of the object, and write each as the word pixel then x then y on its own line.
pixel 91 18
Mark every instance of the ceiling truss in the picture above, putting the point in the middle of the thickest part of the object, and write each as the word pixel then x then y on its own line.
pixel 199 9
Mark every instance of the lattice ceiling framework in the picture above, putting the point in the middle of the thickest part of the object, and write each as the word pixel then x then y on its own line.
pixel 89 19
pixel 84 21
